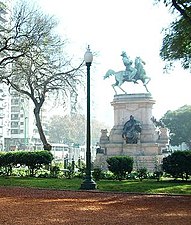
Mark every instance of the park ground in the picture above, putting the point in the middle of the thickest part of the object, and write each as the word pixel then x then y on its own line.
pixel 32 206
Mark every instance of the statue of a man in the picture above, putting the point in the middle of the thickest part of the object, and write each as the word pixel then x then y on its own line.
pixel 130 72
pixel 131 130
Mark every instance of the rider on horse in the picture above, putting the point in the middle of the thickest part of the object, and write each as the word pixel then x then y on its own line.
pixel 130 72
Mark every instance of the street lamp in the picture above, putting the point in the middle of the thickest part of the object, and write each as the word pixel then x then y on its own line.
pixel 88 183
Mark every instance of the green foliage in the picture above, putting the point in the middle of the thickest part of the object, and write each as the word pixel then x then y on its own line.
pixel 177 38
pixel 81 169
pixel 158 172
pixel 179 124
pixel 120 166
pixel 97 174
pixel 69 172
pixel 142 173
pixel 108 175
pixel 10 159
pixel 157 175
pixel 178 164
pixel 176 45
pixel 54 171
pixel 33 160
pixel 21 171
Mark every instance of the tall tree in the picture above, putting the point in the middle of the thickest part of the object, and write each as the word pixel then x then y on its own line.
pixel 179 124
pixel 41 67
pixel 72 129
pixel 177 37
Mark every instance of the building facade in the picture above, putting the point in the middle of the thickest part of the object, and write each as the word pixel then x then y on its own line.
pixel 4 15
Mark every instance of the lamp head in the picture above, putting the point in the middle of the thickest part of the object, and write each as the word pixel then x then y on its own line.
pixel 88 56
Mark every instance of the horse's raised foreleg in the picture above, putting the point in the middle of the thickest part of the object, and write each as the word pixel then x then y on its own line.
pixel 114 85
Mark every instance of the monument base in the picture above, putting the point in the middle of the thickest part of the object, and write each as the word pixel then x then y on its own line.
pixel 147 152
pixel 144 155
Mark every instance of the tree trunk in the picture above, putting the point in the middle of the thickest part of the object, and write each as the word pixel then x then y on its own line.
pixel 46 145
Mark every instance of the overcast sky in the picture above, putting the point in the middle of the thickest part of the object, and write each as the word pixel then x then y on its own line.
pixel 113 26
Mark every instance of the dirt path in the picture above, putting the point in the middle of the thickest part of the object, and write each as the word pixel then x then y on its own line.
pixel 28 206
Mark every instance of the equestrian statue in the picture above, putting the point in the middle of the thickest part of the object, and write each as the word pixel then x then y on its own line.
pixel 132 73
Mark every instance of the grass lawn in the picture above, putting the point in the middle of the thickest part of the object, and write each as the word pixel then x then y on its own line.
pixel 145 186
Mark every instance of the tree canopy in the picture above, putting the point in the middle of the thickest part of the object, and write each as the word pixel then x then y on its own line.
pixel 179 124
pixel 71 129
pixel 177 37
pixel 39 66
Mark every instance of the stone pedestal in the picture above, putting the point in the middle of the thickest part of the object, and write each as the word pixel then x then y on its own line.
pixel 148 150
pixel 138 105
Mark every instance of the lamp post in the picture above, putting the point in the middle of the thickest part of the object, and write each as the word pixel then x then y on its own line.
pixel 88 183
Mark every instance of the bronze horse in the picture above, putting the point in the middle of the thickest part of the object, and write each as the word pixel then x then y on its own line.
pixel 123 76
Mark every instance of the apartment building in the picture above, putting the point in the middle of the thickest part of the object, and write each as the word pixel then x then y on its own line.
pixel 17 137
pixel 23 133
pixel 3 89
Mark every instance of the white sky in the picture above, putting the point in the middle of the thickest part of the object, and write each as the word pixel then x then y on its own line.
pixel 111 26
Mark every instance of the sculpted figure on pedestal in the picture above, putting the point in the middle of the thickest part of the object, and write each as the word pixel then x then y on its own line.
pixel 131 131
pixel 130 74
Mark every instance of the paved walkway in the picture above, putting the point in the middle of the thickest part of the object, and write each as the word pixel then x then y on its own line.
pixel 28 206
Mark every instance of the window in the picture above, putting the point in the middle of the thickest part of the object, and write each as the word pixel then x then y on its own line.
pixel 14 116
pixel 14 124
pixel 15 131
pixel 14 109
pixel 15 101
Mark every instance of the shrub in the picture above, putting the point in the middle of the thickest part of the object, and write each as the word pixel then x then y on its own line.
pixel 157 175
pixel 54 171
pixel 108 175
pixel 97 174
pixel 120 166
pixel 33 160
pixel 142 173
pixel 178 164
